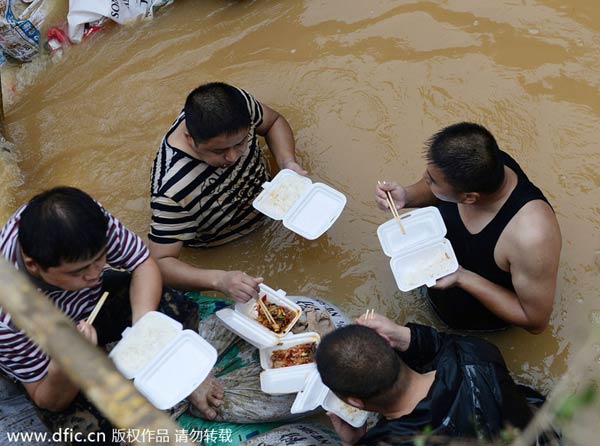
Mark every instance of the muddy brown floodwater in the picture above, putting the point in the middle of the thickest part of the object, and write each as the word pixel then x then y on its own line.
pixel 363 84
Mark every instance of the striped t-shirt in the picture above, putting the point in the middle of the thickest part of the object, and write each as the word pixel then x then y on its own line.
pixel 202 205
pixel 20 357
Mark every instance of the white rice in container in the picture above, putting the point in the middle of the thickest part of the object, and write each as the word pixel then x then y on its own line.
pixel 282 195
pixel 425 269
pixel 350 414
pixel 143 342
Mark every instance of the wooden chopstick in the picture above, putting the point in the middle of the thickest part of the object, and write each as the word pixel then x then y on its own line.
pixel 371 316
pixel 394 210
pixel 96 310
pixel 267 313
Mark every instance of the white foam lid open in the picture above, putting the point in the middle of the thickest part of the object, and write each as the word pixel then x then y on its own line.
pixel 242 319
pixel 315 212
pixel 421 255
pixel 421 226
pixel 285 380
pixel 307 209
pixel 178 372
pixel 312 396
pixel 258 336
pixel 169 373
pixel 315 394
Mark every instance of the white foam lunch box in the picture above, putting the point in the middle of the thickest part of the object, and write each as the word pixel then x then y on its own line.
pixel 316 394
pixel 242 321
pixel 166 363
pixel 242 318
pixel 286 379
pixel 309 209
pixel 421 255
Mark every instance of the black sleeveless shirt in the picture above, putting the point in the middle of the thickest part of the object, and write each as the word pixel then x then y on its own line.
pixel 475 252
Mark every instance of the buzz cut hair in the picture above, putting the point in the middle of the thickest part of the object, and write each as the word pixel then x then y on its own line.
pixel 355 361
pixel 468 156
pixel 215 109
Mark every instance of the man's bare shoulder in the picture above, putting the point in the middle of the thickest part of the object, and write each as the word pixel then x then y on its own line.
pixel 534 227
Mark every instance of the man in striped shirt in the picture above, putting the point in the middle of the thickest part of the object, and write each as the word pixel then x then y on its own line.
pixel 207 172
pixel 62 240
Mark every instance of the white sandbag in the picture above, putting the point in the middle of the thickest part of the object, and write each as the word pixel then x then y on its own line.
pixel 19 38
pixel 337 316
pixel 300 434
pixel 120 11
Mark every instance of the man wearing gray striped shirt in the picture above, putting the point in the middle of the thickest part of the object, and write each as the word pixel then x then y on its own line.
pixel 208 170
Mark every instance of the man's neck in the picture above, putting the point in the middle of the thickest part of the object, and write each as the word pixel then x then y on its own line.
pixel 178 139
pixel 491 203
pixel 417 386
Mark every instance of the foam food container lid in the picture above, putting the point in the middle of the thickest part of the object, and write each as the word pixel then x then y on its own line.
pixel 242 319
pixel 421 225
pixel 172 377
pixel 260 337
pixel 285 380
pixel 422 255
pixel 315 394
pixel 166 362
pixel 307 209
pixel 315 212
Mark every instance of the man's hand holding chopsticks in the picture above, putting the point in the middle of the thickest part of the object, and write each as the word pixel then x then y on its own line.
pixel 397 192
pixel 88 331
pixel 238 285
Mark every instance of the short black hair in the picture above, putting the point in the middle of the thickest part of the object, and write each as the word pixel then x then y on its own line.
pixel 355 361
pixel 468 156
pixel 215 109
pixel 63 224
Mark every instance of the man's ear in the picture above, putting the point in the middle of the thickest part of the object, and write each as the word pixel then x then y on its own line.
pixel 189 138
pixel 356 402
pixel 469 197
pixel 32 266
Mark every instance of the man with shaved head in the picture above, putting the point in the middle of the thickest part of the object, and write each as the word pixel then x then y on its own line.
pixel 502 228
pixel 418 378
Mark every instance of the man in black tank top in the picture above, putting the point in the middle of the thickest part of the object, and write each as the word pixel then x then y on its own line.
pixel 502 228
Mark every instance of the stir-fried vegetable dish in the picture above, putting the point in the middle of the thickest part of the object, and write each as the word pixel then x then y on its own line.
pixel 281 315
pixel 296 355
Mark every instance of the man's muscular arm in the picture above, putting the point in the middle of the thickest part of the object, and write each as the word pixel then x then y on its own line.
pixel 531 246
